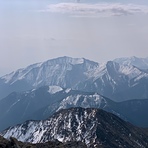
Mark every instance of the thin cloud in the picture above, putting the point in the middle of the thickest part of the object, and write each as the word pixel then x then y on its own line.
pixel 99 9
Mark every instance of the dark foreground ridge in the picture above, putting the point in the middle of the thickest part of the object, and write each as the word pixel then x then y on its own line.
pixel 13 143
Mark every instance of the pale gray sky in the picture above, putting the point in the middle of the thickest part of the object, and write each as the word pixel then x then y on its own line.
pixel 37 30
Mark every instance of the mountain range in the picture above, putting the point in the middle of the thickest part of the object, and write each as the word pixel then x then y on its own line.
pixel 38 104
pixel 94 127
pixel 119 80
pixel 60 99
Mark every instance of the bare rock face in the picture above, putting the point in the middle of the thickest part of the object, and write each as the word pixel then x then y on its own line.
pixel 14 143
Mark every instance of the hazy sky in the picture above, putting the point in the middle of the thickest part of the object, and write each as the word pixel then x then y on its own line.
pixel 36 30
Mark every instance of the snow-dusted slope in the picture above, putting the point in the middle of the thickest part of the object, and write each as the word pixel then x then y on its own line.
pixel 118 82
pixel 141 63
pixel 110 79
pixel 65 72
pixel 52 72
pixel 92 126
pixel 42 102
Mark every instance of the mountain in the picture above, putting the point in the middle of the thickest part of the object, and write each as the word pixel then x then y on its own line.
pixel 42 102
pixel 141 63
pixel 18 107
pixel 118 82
pixel 13 143
pixel 134 111
pixel 38 104
pixel 114 80
pixel 94 127
pixel 65 72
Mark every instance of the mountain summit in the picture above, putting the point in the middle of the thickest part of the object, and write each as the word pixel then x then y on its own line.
pixel 141 63
pixel 115 80
pixel 65 72
pixel 94 127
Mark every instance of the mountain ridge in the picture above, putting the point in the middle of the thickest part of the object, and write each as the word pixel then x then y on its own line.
pixel 17 107
pixel 135 61
pixel 106 129
pixel 110 79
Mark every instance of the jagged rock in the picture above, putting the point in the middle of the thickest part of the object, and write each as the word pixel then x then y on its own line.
pixel 94 127
pixel 14 143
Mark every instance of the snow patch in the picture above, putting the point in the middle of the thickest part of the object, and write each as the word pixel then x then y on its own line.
pixel 54 89
pixel 68 90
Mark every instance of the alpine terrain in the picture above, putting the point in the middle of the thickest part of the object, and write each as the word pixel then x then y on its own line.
pixel 38 104
pixel 118 80
pixel 74 102
pixel 94 127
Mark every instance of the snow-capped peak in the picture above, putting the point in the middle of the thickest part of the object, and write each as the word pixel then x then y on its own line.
pixel 94 127
pixel 75 73
pixel 66 60
pixel 141 63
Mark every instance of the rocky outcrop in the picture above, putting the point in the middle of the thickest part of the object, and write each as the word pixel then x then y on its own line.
pixel 14 143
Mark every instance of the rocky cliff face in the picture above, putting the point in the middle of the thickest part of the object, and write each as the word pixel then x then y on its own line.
pixel 14 143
